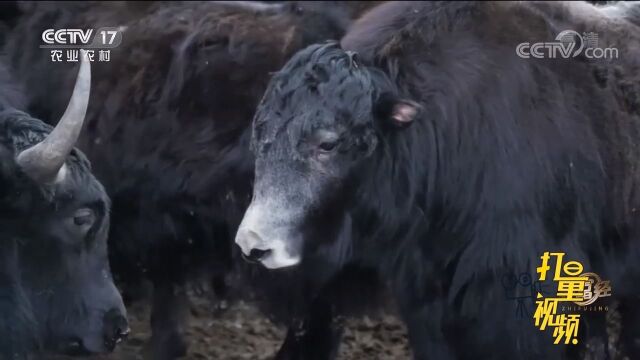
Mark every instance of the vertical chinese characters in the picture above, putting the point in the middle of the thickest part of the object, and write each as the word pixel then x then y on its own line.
pixel 570 288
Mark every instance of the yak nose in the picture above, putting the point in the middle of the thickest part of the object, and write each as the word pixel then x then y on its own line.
pixel 250 241
pixel 256 255
pixel 116 328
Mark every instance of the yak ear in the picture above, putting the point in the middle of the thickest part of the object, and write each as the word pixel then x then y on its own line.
pixel 404 112
pixel 396 112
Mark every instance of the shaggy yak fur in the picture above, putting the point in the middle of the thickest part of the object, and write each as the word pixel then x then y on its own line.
pixel 168 129
pixel 453 164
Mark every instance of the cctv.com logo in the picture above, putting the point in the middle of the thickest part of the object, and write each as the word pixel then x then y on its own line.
pixel 103 38
pixel 567 44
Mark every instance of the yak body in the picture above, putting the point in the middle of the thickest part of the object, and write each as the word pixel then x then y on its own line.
pixel 452 163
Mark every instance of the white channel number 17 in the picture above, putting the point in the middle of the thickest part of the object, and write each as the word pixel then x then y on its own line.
pixel 111 33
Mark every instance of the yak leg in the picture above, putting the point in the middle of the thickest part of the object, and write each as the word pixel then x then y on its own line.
pixel 629 327
pixel 168 317
pixel 318 335
pixel 220 290
pixel 425 337
pixel 421 309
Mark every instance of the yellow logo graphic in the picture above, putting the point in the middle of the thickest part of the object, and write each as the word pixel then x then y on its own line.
pixel 573 286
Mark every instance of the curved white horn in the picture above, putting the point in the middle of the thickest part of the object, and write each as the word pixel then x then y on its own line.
pixel 43 161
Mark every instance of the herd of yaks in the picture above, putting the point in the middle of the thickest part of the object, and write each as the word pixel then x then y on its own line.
pixel 348 151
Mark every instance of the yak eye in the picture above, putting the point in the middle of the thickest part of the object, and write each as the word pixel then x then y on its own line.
pixel 325 142
pixel 328 145
pixel 84 217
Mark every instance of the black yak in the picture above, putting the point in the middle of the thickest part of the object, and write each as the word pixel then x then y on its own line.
pixel 450 161
pixel 169 128
pixel 56 290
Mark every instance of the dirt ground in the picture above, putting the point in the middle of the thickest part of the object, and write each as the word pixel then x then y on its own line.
pixel 241 332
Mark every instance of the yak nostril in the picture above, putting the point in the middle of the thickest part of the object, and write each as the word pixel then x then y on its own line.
pixel 122 333
pixel 116 328
pixel 248 239
pixel 258 254
pixel 120 330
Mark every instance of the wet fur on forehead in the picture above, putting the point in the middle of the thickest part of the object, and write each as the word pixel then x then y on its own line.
pixel 19 131
pixel 321 86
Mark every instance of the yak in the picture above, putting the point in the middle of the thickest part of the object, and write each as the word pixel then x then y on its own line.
pixel 449 161
pixel 169 135
pixel 56 289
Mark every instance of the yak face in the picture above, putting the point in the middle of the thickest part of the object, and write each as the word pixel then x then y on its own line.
pixel 58 232
pixel 55 283
pixel 322 117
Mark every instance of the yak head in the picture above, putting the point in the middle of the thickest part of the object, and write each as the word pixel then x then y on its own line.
pixel 321 119
pixel 55 281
